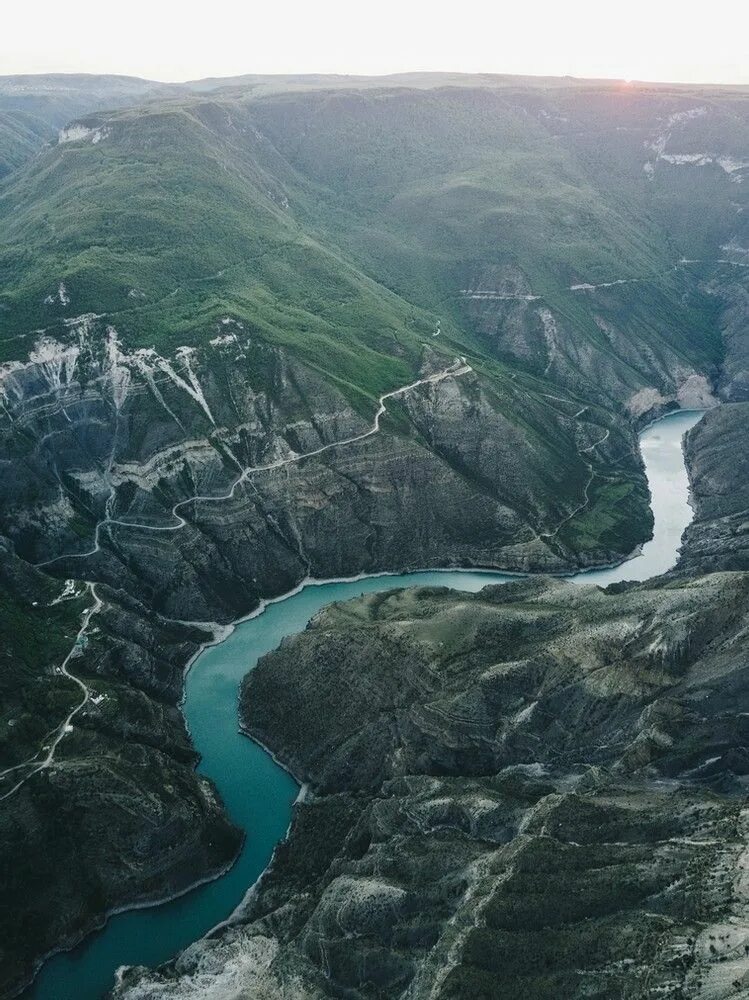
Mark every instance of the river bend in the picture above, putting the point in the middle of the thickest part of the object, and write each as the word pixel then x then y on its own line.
pixel 258 793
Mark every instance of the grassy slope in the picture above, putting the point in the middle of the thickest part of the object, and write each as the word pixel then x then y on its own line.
pixel 21 134
pixel 339 227
pixel 341 224
pixel 34 638
pixel 188 212
pixel 189 205
pixel 439 183
pixel 33 108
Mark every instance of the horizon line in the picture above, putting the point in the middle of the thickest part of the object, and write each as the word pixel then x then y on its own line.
pixel 399 74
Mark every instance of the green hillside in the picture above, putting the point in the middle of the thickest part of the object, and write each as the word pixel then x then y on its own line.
pixel 344 224
pixel 544 232
pixel 34 108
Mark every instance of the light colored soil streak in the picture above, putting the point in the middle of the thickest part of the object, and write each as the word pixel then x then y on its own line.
pixel 459 367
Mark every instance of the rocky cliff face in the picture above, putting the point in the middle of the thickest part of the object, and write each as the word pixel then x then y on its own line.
pixel 537 790
pixel 718 461
pixel 136 470
pixel 522 329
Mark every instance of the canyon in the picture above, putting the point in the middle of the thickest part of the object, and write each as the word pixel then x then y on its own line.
pixel 338 344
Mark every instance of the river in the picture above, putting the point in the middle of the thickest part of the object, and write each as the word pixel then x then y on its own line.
pixel 257 792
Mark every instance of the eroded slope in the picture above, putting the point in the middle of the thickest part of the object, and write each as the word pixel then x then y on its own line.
pixel 717 453
pixel 535 790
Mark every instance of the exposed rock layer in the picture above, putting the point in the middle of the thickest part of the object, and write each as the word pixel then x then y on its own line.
pixel 537 790
pixel 717 455
pixel 108 448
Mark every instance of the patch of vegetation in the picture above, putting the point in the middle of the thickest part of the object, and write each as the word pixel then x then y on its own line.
pixel 34 639
pixel 613 517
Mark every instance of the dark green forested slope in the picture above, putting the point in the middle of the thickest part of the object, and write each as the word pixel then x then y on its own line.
pixel 364 232
pixel 359 216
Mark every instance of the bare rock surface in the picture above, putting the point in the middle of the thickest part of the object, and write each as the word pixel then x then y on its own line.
pixel 537 790
pixel 717 455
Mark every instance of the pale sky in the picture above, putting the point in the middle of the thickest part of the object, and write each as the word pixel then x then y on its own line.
pixel 668 40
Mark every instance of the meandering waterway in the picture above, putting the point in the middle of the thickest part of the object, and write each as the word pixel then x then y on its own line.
pixel 257 792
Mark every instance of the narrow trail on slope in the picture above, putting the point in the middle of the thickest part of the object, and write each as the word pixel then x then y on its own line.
pixel 459 367
pixel 238 766
pixel 65 726
pixel 586 489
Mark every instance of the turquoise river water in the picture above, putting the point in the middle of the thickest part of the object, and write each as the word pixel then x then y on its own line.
pixel 257 792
